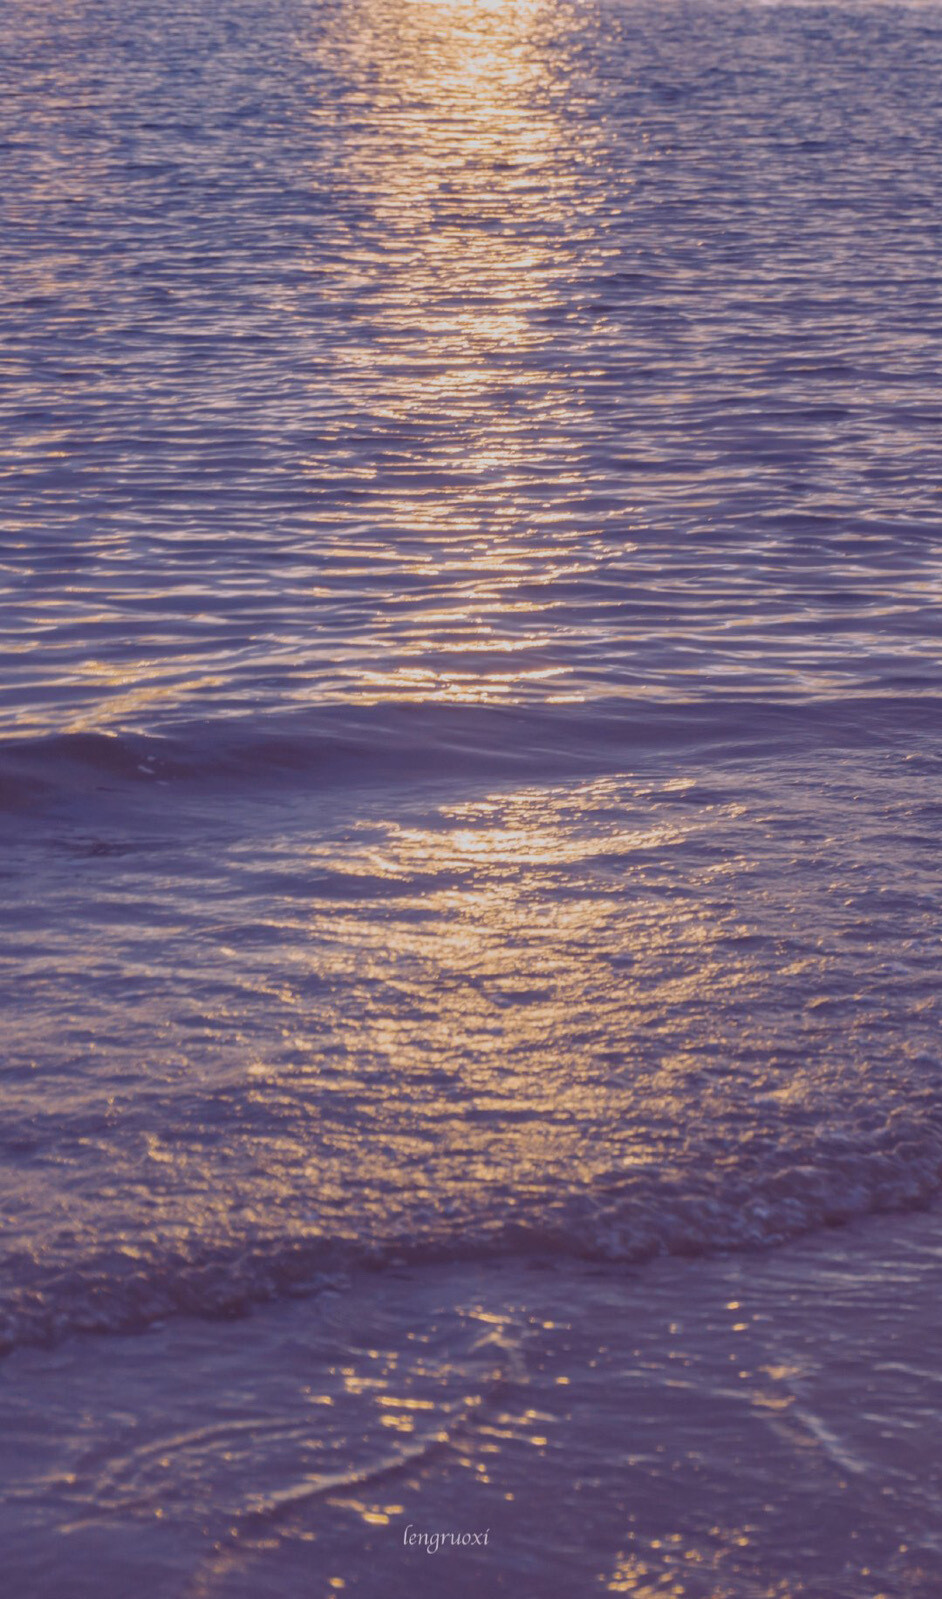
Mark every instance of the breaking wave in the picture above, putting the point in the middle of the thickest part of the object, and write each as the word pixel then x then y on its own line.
pixel 622 1219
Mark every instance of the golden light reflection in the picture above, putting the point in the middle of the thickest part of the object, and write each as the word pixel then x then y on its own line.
pixel 432 304
pixel 451 181
pixel 461 169
pixel 501 1021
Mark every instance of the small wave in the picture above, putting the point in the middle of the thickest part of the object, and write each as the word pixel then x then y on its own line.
pixel 398 743
pixel 624 1219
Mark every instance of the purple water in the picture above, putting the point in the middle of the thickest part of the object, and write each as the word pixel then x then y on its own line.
pixel 469 761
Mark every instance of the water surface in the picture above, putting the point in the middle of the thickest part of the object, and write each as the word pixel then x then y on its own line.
pixel 469 756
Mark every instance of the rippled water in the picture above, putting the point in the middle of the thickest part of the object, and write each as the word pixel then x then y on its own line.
pixel 469 756
pixel 479 353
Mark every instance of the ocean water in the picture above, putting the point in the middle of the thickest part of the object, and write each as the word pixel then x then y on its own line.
pixel 470 775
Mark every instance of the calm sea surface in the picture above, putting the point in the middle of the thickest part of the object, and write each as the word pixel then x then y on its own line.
pixel 470 773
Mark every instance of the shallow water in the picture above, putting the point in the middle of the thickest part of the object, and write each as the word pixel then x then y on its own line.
pixel 470 774
pixel 704 1430
pixel 609 1018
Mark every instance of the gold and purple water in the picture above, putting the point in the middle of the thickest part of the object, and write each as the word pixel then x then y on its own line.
pixel 470 773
